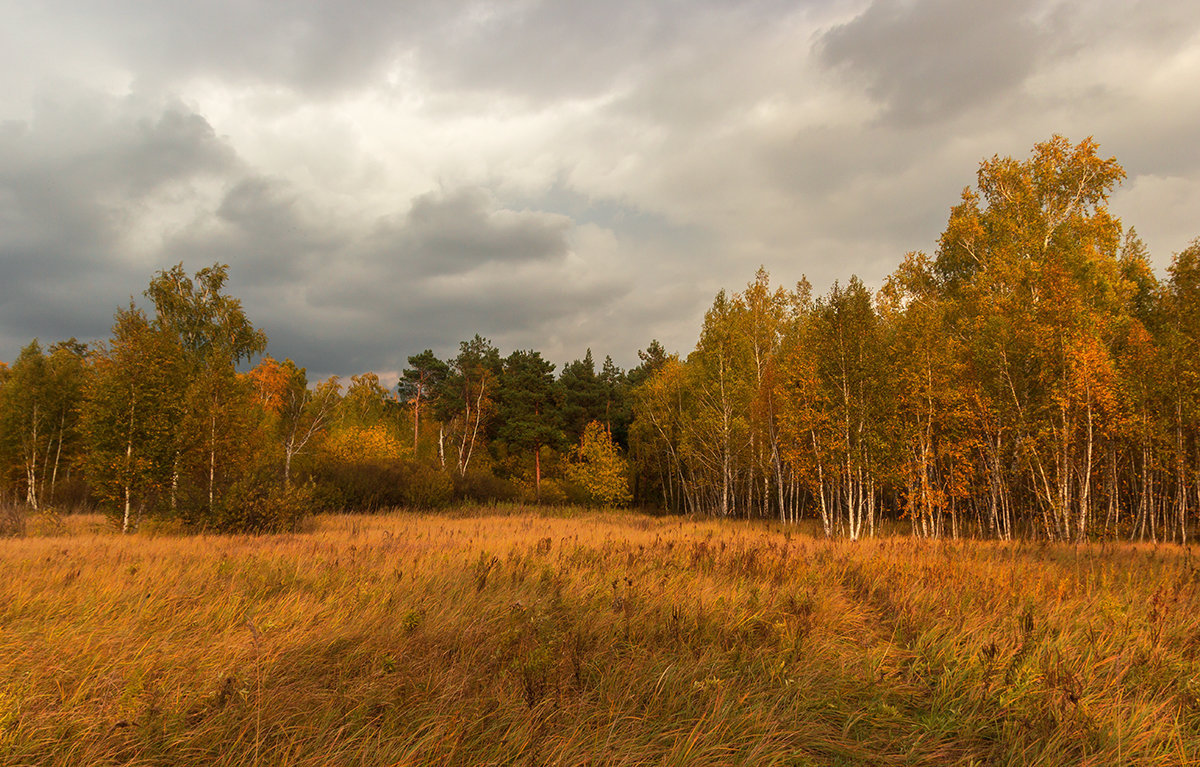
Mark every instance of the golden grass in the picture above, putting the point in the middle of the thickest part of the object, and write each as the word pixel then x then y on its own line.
pixel 601 638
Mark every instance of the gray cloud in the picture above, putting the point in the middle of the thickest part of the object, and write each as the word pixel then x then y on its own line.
pixel 384 177
pixel 347 296
pixel 448 234
pixel 316 47
pixel 932 59
pixel 71 182
pixel 268 231
pixel 544 50
pixel 455 264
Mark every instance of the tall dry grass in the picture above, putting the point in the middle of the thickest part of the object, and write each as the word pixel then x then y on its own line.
pixel 595 639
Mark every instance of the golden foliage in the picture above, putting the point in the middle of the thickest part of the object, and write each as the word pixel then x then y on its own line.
pixel 370 444
pixel 597 467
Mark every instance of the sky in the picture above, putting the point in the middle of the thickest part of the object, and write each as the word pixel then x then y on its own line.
pixel 384 177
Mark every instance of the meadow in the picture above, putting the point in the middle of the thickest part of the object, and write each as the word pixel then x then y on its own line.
pixel 507 636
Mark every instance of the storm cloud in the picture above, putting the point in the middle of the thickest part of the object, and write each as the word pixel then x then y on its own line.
pixel 387 177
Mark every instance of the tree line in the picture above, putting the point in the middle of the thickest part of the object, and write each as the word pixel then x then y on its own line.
pixel 159 422
pixel 1032 377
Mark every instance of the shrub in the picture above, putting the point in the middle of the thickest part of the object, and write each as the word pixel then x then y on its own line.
pixel 425 486
pixel 13 519
pixel 378 484
pixel 553 493
pixel 360 486
pixel 263 507
pixel 485 487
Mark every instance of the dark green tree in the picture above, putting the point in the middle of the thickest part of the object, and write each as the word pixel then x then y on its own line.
pixel 466 399
pixel 583 396
pixel 653 357
pixel 618 412
pixel 528 413
pixel 419 385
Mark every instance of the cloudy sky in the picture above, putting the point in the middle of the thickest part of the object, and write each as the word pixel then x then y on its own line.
pixel 384 177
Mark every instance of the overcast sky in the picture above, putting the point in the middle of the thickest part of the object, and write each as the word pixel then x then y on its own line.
pixel 384 177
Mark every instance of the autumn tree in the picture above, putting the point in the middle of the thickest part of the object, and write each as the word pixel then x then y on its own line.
pixel 932 432
pixel 214 335
pixel 851 380
pixel 1030 259
pixel 25 418
pixel 598 468
pixel 656 436
pixel 1179 333
pixel 39 414
pixel 298 414
pixel 367 402
pixel 765 315
pixel 717 429
pixel 133 407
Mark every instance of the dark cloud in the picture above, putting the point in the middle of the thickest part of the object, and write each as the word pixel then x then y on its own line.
pixel 454 265
pixel 932 59
pixel 72 182
pixel 265 228
pixel 447 234
pixel 334 293
pixel 519 311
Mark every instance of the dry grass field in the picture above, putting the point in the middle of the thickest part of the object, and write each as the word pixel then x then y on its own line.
pixel 508 637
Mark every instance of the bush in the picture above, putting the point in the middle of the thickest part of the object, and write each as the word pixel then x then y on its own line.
pixel 264 507
pixel 366 486
pixel 375 485
pixel 425 486
pixel 13 519
pixel 553 493
pixel 73 494
pixel 577 494
pixel 485 487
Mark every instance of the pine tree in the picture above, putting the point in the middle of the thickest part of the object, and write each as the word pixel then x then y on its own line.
pixel 528 414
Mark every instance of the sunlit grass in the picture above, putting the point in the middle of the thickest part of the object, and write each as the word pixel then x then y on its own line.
pixel 510 637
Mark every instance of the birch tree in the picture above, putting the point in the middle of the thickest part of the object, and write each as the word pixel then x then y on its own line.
pixel 214 335
pixel 133 406
pixel 1031 260
pixel 466 401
